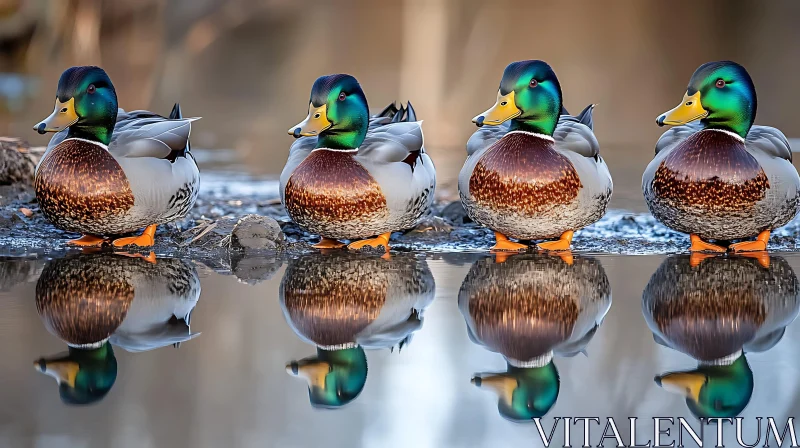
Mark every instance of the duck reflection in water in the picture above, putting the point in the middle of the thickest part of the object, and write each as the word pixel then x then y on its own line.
pixel 343 303
pixel 92 302
pixel 716 311
pixel 528 308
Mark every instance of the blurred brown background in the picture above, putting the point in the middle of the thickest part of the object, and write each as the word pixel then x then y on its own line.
pixel 246 66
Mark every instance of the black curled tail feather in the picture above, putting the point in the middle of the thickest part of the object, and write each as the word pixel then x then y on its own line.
pixel 176 112
pixel 399 115
pixel 585 117
pixel 411 115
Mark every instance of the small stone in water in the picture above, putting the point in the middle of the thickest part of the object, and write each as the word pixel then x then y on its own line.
pixel 257 232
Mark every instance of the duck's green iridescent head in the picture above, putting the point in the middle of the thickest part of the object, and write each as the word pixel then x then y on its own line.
pixel 523 393
pixel 530 95
pixel 338 113
pixel 713 391
pixel 721 94
pixel 83 376
pixel 335 377
pixel 86 103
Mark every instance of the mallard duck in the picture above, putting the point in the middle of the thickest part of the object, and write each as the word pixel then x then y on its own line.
pixel 80 305
pixel 94 300
pixel 343 303
pixel 352 177
pixel 715 311
pixel 527 308
pixel 721 178
pixel 110 172
pixel 535 172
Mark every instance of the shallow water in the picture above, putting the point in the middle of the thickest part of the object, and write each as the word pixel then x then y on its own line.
pixel 229 382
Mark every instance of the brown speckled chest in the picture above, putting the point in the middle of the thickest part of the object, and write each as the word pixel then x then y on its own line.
pixel 712 310
pixel 523 173
pixel 711 186
pixel 83 303
pixel 525 188
pixel 333 195
pixel 81 188
pixel 712 170
pixel 333 308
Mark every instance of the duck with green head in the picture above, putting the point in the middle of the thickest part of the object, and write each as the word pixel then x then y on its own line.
pixel 715 311
pixel 715 175
pixel 345 302
pixel 354 177
pixel 111 172
pixel 92 300
pixel 529 319
pixel 84 376
pixel 533 171
pixel 83 305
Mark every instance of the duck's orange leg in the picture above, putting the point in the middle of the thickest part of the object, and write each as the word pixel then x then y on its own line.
pixel 502 243
pixel 378 241
pixel 759 244
pixel 88 241
pixel 696 258
pixel 146 239
pixel 762 257
pixel 699 245
pixel 150 258
pixel 327 243
pixel 563 243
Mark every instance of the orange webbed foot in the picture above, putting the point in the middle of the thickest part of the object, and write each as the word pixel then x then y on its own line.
pixel 760 244
pixel 563 243
pixel 146 239
pixel 762 257
pixel 500 256
pixel 150 258
pixel 328 243
pixel 378 241
pixel 699 245
pixel 748 246
pixel 88 241
pixel 502 243
pixel 696 258
pixel 566 257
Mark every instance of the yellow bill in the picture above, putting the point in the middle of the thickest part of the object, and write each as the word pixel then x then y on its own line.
pixel 63 116
pixel 503 110
pixel 501 384
pixel 315 122
pixel 689 110
pixel 687 384
pixel 63 371
pixel 314 371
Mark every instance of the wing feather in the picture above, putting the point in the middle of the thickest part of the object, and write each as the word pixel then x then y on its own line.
pixel 769 141
pixel 154 137
pixel 392 142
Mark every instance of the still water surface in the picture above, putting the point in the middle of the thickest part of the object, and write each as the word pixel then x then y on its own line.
pixel 417 350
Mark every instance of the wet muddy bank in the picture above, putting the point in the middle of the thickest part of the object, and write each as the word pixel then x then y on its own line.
pixel 208 234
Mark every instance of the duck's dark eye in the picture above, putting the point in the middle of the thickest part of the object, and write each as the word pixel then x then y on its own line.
pixel 720 83
pixel 534 82
pixel 342 96
pixel 91 89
